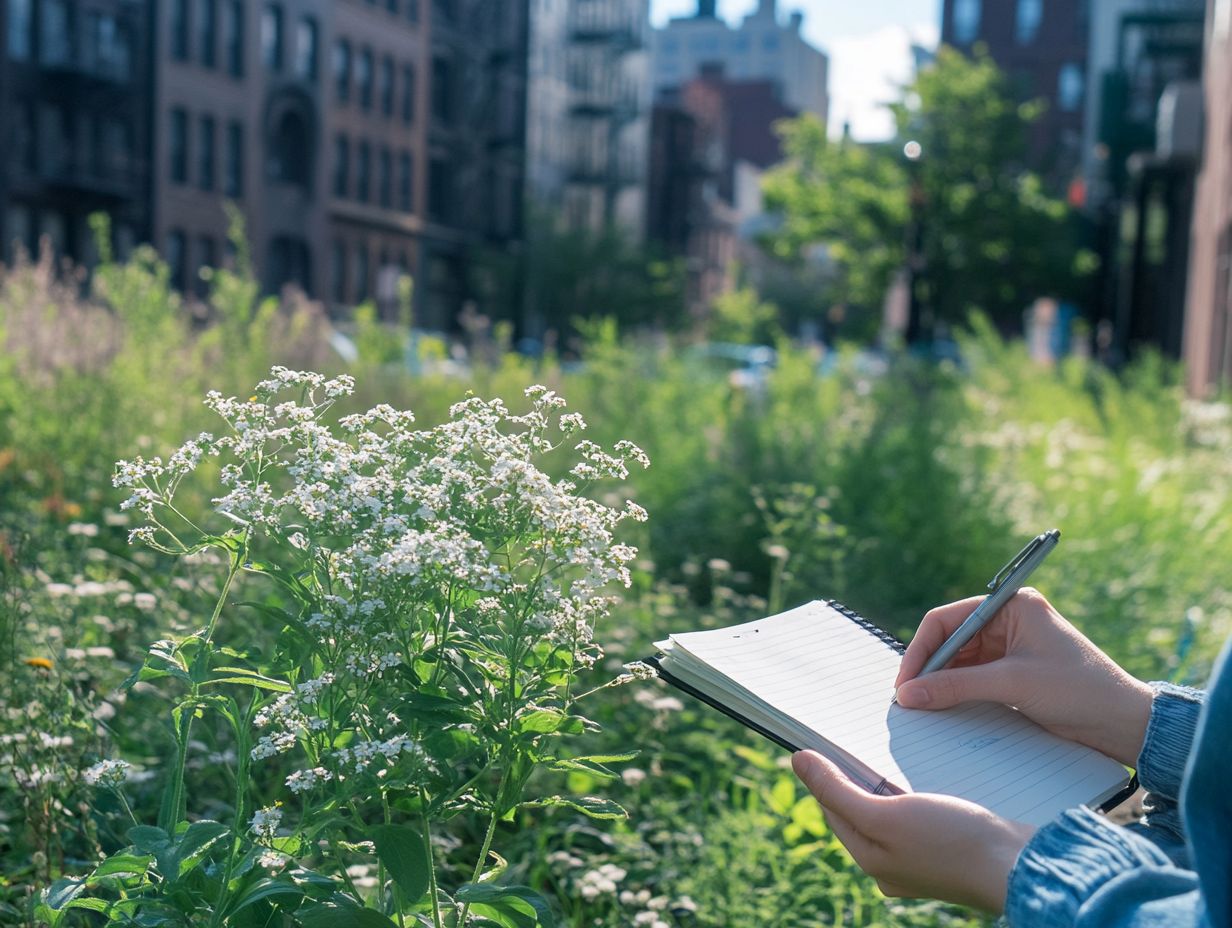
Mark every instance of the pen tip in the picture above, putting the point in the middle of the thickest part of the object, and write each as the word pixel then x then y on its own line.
pixel 894 698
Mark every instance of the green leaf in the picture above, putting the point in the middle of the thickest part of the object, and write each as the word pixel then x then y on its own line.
pixel 592 806
pixel 509 905
pixel 541 721
pixel 331 915
pixel 266 888
pixel 196 839
pixel 122 863
pixel 148 839
pixel 62 892
pixel 404 854
pixel 247 678
pixel 90 904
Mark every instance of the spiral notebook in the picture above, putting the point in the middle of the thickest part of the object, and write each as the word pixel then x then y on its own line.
pixel 821 677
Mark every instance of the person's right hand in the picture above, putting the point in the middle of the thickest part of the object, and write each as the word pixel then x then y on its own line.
pixel 1028 656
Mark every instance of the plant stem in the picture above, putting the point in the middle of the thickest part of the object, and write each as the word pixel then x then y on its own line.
pixel 172 812
pixel 427 837
pixel 483 854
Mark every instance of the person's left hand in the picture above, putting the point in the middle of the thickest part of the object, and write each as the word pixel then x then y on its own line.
pixel 918 844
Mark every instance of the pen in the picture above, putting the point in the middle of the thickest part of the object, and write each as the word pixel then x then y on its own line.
pixel 1004 585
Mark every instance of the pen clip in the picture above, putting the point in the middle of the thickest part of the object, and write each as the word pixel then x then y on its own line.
pixel 1018 558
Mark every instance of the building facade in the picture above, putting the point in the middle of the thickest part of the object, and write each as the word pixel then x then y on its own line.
pixel 75 120
pixel 761 47
pixel 1208 317
pixel 1041 45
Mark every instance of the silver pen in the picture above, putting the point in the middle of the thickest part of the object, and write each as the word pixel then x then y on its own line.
pixel 1004 585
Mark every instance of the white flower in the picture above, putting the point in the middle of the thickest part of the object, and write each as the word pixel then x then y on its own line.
pixel 264 823
pixel 109 774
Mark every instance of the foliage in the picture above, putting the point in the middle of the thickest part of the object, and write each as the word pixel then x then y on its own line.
pixel 887 483
pixel 990 237
pixel 742 317
pixel 568 274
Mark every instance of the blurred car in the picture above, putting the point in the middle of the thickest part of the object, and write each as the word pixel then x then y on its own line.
pixel 746 367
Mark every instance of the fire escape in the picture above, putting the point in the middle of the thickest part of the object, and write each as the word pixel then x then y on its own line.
pixel 606 38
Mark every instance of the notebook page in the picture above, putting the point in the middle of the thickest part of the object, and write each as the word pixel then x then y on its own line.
pixel 821 668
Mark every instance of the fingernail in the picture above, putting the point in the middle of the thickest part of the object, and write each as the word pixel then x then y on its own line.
pixel 914 696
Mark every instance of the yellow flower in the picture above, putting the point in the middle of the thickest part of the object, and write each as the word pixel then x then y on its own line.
pixel 42 662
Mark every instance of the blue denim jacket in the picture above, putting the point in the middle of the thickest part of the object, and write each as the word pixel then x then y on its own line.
pixel 1174 869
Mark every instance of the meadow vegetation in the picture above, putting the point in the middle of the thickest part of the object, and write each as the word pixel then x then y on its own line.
pixel 488 776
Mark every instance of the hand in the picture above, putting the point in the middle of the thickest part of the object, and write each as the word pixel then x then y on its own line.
pixel 919 844
pixel 1028 656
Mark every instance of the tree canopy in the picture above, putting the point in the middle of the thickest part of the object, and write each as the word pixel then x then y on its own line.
pixel 988 235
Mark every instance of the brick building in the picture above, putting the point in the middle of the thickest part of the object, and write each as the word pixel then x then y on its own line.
pixel 1208 315
pixel 1042 47
pixel 75 122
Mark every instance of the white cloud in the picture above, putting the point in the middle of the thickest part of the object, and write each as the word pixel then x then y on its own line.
pixel 865 73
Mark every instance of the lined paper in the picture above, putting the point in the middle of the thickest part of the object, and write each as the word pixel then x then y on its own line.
pixel 825 682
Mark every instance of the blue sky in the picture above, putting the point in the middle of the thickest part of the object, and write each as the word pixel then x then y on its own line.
pixel 868 42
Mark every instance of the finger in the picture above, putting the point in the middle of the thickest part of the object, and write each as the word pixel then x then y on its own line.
pixel 937 625
pixel 945 688
pixel 835 790
pixel 862 848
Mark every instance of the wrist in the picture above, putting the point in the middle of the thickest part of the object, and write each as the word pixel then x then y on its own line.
pixel 1132 721
pixel 1004 855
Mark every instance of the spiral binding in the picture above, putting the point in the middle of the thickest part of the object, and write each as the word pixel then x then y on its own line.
pixel 868 626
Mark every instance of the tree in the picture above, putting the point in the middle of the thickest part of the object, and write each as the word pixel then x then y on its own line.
pixel 985 232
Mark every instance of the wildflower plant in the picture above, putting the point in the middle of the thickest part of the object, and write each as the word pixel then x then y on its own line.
pixel 436 594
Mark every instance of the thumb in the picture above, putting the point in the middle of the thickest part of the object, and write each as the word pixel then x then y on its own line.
pixel 946 688
pixel 830 786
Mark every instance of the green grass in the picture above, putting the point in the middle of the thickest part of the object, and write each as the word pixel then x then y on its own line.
pixel 892 493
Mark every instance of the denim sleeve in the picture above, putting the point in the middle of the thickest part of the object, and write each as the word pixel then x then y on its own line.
pixel 1080 870
pixel 1161 765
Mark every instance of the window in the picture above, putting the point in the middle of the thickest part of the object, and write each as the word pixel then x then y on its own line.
pixel 392 6
pixel 233 35
pixel 387 86
pixel 443 11
pixel 306 49
pixel 175 257
pixel 384 181
pixel 179 30
pixel 408 94
pixel 361 273
pixel 364 76
pixel 1027 21
pixel 20 229
pixel 362 169
pixel 412 10
pixel 337 271
pixel 966 20
pixel 1070 87
pixel 442 92
pixel 205 166
pixel 271 37
pixel 405 182
pixel 114 148
pixel 233 179
pixel 342 70
pixel 20 29
pixel 207 252
pixel 289 151
pixel 179 146
pixel 770 42
pixel 107 51
pixel 440 190
pixel 208 12
pixel 21 155
pixel 55 32
pixel 342 165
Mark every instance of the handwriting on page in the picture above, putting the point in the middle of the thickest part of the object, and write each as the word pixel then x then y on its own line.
pixel 815 665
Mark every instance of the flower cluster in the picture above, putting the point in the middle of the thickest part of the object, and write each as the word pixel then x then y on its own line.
pixel 422 556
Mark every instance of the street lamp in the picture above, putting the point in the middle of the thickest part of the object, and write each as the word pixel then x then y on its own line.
pixel 913 151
